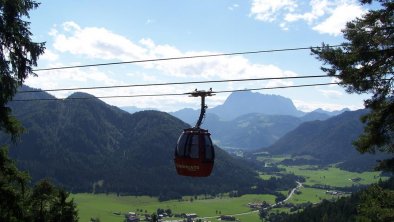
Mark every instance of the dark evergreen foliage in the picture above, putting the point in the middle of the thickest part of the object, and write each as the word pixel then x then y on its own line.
pixel 18 56
pixel 375 203
pixel 19 202
pixel 365 64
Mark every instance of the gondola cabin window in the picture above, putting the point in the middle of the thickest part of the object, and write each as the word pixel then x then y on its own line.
pixel 194 147
pixel 181 151
pixel 209 152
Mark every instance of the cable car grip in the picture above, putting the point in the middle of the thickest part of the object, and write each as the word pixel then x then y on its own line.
pixel 202 94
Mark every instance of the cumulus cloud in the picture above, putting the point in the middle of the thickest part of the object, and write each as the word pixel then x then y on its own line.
pixel 318 9
pixel 331 93
pixel 338 18
pixel 69 78
pixel 323 16
pixel 267 10
pixel 95 42
pixel 90 43
pixel 308 106
pixel 49 55
pixel 100 43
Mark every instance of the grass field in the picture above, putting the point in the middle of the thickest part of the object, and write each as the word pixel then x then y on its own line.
pixel 310 195
pixel 332 176
pixel 104 206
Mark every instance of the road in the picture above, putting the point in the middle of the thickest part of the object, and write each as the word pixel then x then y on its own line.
pixel 299 185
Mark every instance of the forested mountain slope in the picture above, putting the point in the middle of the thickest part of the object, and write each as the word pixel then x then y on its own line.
pixel 86 144
pixel 330 140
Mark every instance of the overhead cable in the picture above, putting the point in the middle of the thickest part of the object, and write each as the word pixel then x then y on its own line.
pixel 184 57
pixel 172 94
pixel 174 83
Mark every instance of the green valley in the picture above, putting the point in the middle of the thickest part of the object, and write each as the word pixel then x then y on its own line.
pixel 112 207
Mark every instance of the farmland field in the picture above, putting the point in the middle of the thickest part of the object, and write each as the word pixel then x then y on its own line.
pixel 107 207
pixel 332 176
pixel 111 208
pixel 309 195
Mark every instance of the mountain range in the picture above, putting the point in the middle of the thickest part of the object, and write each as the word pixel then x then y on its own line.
pixel 248 120
pixel 87 145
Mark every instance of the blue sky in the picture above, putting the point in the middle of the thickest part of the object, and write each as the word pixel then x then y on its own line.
pixel 88 32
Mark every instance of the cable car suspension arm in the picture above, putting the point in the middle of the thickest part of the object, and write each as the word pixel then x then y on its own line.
pixel 202 94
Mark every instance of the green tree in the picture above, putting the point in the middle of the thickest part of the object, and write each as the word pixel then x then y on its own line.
pixel 49 203
pixel 17 57
pixel 41 200
pixel 364 64
pixel 376 204
pixel 13 190
pixel 63 210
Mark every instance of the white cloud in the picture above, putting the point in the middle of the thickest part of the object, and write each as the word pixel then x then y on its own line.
pixel 49 55
pixel 95 43
pixel 308 106
pixel 338 18
pixel 318 9
pixel 323 16
pixel 331 93
pixel 268 10
pixel 100 43
pixel 70 78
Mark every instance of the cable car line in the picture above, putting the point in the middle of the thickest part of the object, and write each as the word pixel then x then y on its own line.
pixel 174 83
pixel 277 87
pixel 185 57
pixel 173 94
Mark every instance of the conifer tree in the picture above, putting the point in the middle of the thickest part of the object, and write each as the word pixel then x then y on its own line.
pixel 365 64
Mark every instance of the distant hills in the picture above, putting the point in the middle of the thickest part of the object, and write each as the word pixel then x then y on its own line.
pixel 329 141
pixel 87 145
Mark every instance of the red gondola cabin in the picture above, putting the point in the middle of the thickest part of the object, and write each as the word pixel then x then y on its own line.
pixel 194 153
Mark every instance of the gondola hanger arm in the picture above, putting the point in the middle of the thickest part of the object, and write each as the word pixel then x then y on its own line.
pixel 202 94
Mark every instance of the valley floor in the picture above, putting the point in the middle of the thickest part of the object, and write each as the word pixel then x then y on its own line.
pixel 319 184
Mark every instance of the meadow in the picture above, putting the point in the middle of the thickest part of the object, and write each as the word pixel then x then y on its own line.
pixel 111 208
pixel 107 207
pixel 332 176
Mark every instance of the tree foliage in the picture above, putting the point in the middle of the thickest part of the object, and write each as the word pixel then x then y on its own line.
pixel 19 202
pixel 12 189
pixel 364 64
pixel 18 54
pixel 374 203
pixel 49 203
